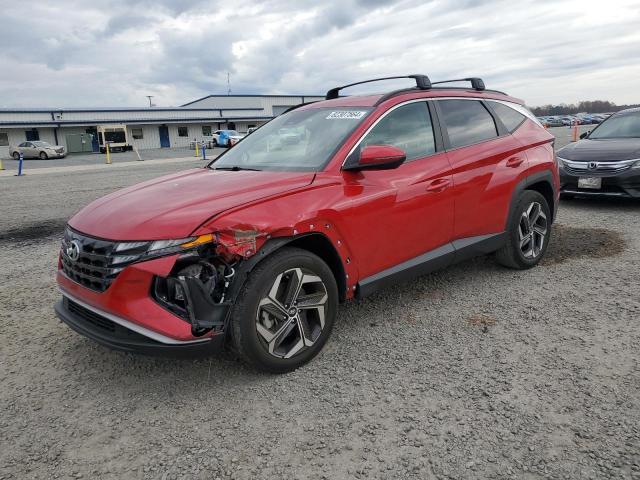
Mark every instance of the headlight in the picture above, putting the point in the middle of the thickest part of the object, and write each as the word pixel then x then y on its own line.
pixel 560 161
pixel 127 252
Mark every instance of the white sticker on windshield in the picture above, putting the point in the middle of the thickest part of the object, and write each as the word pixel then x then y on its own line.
pixel 347 114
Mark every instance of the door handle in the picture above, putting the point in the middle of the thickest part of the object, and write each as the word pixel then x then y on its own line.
pixel 514 162
pixel 438 185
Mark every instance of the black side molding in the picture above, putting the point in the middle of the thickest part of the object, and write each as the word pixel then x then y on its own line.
pixel 441 257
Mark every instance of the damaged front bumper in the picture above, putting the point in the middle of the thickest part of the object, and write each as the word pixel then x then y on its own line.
pixel 129 316
pixel 175 303
pixel 120 334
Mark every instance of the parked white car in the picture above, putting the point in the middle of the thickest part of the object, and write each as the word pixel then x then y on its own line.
pixel 37 149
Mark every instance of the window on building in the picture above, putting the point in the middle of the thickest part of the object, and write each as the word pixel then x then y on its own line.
pixel 467 122
pixel 137 134
pixel 183 132
pixel 206 130
pixel 408 127
pixel 4 139
pixel 32 135
pixel 507 115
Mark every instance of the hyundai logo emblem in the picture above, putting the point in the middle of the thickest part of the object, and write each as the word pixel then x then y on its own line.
pixel 592 165
pixel 73 250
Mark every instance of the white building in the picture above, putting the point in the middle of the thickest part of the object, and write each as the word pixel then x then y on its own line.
pixel 154 127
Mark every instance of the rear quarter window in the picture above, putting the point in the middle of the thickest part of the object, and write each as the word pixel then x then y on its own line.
pixel 507 115
pixel 467 122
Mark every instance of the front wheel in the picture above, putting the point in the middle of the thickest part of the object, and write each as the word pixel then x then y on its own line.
pixel 528 233
pixel 285 312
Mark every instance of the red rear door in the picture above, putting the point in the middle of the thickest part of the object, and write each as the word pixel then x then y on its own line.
pixel 486 161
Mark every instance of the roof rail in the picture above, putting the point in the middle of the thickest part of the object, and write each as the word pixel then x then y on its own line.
pixel 476 83
pixel 422 83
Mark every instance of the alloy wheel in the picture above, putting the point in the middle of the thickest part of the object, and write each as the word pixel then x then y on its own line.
pixel 291 317
pixel 532 230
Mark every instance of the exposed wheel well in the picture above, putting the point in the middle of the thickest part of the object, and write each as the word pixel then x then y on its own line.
pixel 544 189
pixel 321 246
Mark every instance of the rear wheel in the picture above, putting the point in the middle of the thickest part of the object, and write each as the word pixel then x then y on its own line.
pixel 528 233
pixel 285 312
pixel 16 155
pixel 43 156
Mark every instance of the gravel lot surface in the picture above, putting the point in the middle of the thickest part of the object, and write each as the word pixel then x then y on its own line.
pixel 472 372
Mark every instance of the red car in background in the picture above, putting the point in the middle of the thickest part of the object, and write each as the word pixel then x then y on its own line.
pixel 256 250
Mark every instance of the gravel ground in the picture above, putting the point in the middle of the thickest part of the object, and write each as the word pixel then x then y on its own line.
pixel 472 372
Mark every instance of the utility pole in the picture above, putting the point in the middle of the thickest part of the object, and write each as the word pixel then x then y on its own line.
pixel 150 97
pixel 228 84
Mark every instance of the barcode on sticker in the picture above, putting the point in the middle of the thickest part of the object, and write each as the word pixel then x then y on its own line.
pixel 347 114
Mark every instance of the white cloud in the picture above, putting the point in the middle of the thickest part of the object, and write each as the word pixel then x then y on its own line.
pixel 75 53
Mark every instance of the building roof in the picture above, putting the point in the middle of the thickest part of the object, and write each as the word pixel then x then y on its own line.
pixel 249 95
pixel 121 109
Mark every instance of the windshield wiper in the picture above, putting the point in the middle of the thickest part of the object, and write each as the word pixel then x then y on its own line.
pixel 236 168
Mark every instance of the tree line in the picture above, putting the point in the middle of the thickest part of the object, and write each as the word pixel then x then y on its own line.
pixel 589 106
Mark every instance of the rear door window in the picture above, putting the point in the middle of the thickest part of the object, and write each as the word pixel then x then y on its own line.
pixel 467 122
pixel 407 127
pixel 507 115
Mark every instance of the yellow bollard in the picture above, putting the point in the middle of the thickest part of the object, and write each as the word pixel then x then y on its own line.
pixel 197 150
pixel 108 155
pixel 1 166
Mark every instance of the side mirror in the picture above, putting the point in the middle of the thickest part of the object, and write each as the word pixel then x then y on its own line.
pixel 585 134
pixel 376 157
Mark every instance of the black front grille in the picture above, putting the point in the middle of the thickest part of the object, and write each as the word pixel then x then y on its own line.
pixel 600 168
pixel 94 266
pixel 90 316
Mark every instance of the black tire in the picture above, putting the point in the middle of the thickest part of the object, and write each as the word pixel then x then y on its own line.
pixel 245 338
pixel 511 255
pixel 43 156
pixel 214 143
pixel 16 155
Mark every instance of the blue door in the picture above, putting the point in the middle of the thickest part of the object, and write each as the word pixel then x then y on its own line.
pixel 164 136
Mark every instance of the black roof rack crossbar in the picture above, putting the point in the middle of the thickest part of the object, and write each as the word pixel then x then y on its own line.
pixel 422 82
pixel 476 83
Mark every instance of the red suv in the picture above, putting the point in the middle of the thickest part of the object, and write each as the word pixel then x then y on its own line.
pixel 330 201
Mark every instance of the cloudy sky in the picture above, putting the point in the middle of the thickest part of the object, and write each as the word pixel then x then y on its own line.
pixel 70 53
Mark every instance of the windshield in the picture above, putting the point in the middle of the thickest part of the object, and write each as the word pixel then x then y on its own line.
pixel 41 144
pixel 301 140
pixel 117 136
pixel 626 125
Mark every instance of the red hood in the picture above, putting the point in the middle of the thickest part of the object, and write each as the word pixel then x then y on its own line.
pixel 173 206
